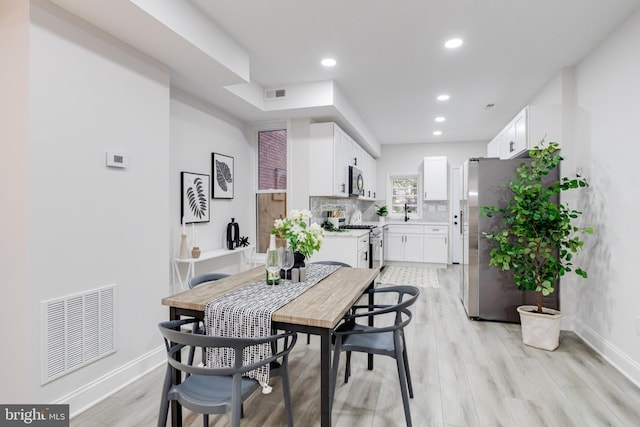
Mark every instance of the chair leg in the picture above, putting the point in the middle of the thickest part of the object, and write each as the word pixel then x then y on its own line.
pixel 347 368
pixel 308 338
pixel 287 393
pixel 164 404
pixel 405 360
pixel 205 420
pixel 402 375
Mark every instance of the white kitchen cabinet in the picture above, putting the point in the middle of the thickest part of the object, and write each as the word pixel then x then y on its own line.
pixel 515 143
pixel 349 247
pixel 331 152
pixel 329 155
pixel 368 166
pixel 494 147
pixel 526 130
pixel 436 172
pixel 404 243
pixel 436 244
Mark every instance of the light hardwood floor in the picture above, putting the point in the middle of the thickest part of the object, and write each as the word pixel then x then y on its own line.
pixel 465 373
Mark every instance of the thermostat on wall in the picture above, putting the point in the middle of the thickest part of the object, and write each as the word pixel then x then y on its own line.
pixel 116 160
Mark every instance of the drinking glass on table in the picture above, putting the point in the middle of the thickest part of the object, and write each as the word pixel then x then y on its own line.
pixel 286 261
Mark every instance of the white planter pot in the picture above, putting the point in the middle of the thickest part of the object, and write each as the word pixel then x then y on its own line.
pixel 540 330
pixel 381 219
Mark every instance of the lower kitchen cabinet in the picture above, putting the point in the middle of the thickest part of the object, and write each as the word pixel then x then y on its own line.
pixel 436 244
pixel 404 243
pixel 344 247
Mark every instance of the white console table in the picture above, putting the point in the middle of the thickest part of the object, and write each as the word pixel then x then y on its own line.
pixel 246 255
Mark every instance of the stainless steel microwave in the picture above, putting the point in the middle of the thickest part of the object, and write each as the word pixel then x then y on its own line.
pixel 356 182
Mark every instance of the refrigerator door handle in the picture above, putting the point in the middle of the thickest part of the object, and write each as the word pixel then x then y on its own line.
pixel 461 228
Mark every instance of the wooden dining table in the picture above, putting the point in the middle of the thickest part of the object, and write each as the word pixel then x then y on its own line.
pixel 316 311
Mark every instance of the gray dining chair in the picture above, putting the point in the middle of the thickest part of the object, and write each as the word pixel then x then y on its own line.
pixel 385 338
pixel 203 278
pixel 341 264
pixel 192 283
pixel 207 390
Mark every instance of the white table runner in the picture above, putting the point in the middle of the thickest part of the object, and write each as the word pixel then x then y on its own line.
pixel 247 313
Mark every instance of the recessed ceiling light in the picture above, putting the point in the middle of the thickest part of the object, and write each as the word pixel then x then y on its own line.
pixel 453 43
pixel 437 132
pixel 443 97
pixel 328 62
pixel 440 119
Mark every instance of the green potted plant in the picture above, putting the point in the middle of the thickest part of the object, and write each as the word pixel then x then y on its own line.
pixel 382 212
pixel 537 239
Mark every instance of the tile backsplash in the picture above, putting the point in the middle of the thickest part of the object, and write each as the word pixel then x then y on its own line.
pixel 435 211
pixel 320 206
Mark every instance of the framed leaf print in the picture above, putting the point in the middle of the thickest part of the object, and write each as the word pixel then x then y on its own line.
pixel 222 170
pixel 194 200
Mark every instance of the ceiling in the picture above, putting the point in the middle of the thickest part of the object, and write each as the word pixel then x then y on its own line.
pixel 391 60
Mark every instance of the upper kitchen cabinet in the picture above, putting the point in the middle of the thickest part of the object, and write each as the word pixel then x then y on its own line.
pixel 436 172
pixel 331 152
pixel 526 130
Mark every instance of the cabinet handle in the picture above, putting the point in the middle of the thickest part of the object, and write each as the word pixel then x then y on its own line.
pixel 511 144
pixel 355 161
pixel 343 187
pixel 425 195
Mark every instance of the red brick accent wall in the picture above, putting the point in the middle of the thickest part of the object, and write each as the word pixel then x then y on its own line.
pixel 272 160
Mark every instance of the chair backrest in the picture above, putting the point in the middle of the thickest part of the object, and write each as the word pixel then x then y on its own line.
pixel 341 264
pixel 406 296
pixel 175 340
pixel 208 277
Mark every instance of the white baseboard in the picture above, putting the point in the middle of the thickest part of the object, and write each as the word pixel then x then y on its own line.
pixel 94 392
pixel 623 363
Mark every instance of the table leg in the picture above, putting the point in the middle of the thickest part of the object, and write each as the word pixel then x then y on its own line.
pixel 325 378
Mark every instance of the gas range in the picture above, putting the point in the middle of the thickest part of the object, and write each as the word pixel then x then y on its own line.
pixel 357 227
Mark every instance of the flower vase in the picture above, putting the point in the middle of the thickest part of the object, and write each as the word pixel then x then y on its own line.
pixel 298 260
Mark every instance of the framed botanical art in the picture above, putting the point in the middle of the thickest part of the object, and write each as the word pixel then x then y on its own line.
pixel 194 199
pixel 222 171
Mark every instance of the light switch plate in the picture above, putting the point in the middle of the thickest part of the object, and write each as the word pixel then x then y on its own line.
pixel 116 160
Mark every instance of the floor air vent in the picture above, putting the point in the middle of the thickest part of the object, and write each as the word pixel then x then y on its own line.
pixel 77 330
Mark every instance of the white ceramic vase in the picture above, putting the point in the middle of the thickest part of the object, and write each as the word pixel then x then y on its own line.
pixel 381 219
pixel 540 330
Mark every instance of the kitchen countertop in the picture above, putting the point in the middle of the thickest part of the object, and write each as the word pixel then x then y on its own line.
pixel 414 222
pixel 346 233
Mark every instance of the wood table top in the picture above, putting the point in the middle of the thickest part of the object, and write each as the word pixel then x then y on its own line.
pixel 323 305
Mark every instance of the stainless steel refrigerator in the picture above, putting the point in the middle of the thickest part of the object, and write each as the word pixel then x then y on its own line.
pixel 488 292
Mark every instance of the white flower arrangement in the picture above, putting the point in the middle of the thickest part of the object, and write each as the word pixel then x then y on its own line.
pixel 301 236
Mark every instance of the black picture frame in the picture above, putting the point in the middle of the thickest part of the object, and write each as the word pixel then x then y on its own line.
pixel 223 178
pixel 194 198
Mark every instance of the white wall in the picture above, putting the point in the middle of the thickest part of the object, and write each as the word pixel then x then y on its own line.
pixel 14 186
pixel 408 158
pixel 197 130
pixel 607 150
pixel 88 226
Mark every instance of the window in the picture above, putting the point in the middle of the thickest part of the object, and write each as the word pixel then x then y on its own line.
pixel 404 196
pixel 271 200
pixel 272 160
